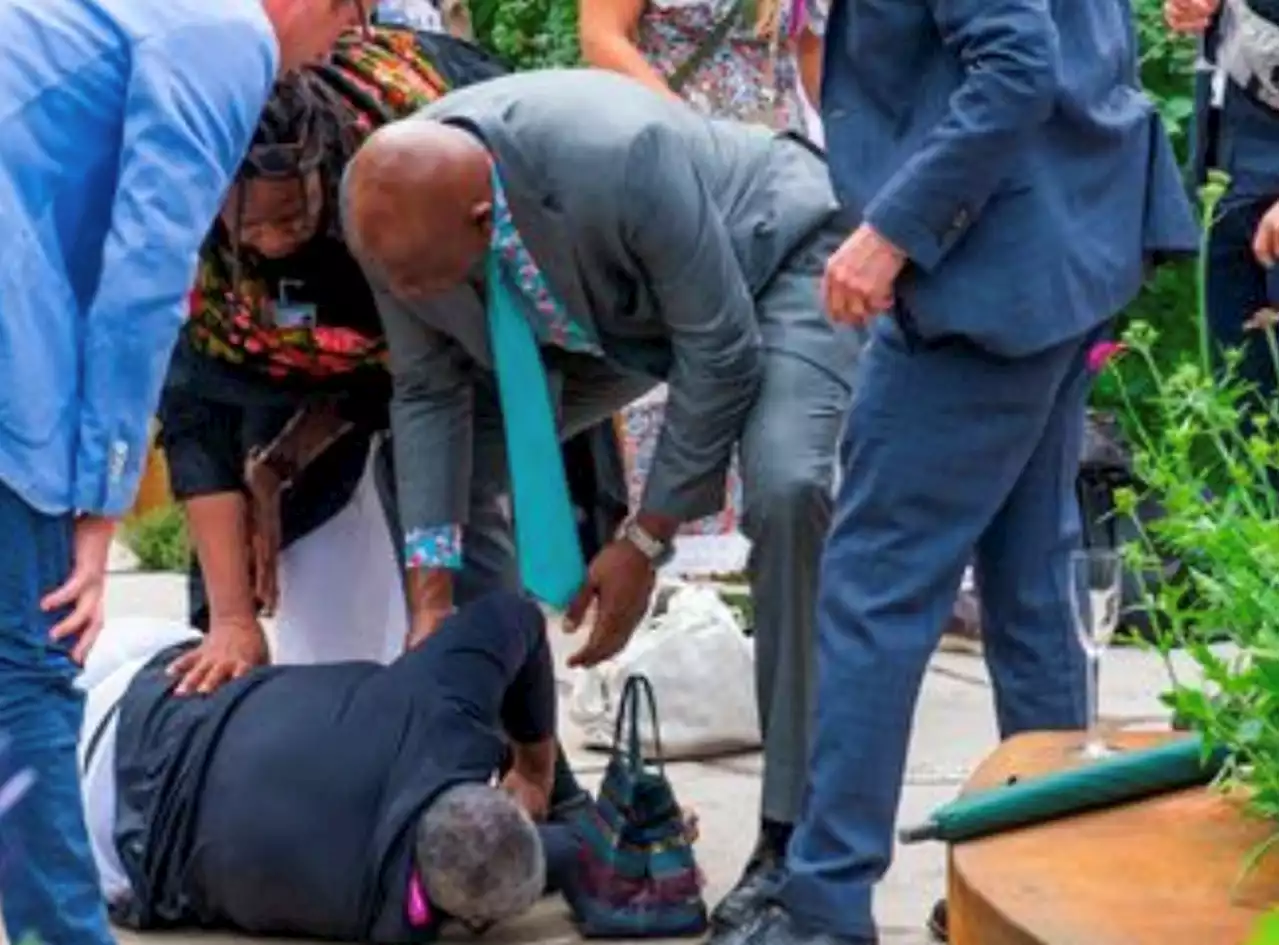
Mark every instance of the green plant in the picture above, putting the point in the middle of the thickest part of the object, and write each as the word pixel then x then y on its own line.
pixel 528 34
pixel 1220 521
pixel 1210 458
pixel 159 539
pixel 1167 70
pixel 1268 930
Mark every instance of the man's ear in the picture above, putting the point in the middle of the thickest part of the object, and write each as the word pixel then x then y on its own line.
pixel 482 217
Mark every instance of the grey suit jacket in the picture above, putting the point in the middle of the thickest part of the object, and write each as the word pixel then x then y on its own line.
pixel 1008 148
pixel 656 228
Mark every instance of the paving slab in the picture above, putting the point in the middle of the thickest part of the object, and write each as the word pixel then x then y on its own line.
pixel 954 728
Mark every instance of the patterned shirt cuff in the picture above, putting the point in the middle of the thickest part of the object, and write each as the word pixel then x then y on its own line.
pixel 436 547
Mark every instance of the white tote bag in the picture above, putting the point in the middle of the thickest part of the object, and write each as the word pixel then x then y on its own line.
pixel 702 668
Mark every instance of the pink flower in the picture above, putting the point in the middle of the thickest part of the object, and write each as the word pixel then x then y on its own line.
pixel 1101 354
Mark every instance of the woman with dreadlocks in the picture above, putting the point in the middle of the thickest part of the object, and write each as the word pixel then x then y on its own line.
pixel 277 388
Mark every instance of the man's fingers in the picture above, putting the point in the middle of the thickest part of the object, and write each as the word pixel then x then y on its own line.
pixel 80 652
pixel 77 622
pixel 1264 246
pixel 70 589
pixel 845 301
pixel 601 644
pixel 577 608
pixel 588 656
pixel 1271 245
pixel 589 653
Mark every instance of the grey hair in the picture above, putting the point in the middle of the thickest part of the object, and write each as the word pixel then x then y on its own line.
pixel 479 854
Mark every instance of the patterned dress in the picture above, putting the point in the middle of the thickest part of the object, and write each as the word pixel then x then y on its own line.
pixel 752 76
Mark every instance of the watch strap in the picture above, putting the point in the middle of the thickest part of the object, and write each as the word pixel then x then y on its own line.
pixel 657 551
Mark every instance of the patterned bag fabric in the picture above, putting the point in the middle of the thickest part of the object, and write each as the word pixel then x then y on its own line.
pixel 638 876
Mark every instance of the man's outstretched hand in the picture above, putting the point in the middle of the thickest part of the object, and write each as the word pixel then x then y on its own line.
pixel 232 647
pixel 619 582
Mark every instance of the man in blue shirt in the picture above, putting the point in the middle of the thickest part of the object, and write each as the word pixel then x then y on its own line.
pixel 123 122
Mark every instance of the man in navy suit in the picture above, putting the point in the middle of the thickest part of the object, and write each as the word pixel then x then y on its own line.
pixel 1013 184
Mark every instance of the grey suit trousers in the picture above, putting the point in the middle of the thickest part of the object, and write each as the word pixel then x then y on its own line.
pixel 787 456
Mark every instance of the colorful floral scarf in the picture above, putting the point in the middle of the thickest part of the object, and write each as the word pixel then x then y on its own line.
pixel 370 82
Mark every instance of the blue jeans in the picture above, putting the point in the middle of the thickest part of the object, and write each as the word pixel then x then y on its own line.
pixel 49 887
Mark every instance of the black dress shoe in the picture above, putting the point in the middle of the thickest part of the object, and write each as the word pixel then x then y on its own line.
pixel 938 921
pixel 747 900
pixel 772 925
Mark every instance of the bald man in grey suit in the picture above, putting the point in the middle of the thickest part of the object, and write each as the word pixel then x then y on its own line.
pixel 682 250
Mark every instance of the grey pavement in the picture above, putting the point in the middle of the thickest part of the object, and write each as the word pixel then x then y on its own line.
pixel 954 730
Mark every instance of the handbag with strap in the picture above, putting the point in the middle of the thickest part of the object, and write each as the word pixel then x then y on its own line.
pixel 638 877
pixel 681 75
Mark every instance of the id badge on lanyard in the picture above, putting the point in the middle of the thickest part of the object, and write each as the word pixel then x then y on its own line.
pixel 290 314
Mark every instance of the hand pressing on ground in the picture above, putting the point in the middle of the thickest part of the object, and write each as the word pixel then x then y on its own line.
pixel 233 646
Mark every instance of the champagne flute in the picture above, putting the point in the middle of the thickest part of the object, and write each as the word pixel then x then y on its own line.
pixel 1095 609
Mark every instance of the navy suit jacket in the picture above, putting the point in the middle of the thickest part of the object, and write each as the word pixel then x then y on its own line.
pixel 1007 148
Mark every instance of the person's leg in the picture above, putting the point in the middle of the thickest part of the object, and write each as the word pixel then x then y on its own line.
pixel 50 883
pixel 1036 663
pixel 936 439
pixel 787 462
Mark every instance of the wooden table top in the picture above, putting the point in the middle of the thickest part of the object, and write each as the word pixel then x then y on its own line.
pixel 1164 871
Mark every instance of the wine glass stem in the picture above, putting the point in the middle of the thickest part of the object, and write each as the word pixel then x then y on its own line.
pixel 1092 738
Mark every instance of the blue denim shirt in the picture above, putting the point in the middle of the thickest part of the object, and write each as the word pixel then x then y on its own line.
pixel 123 122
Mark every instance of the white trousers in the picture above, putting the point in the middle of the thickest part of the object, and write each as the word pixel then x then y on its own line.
pixel 341 593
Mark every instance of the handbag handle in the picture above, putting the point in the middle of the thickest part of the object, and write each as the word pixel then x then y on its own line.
pixel 636 687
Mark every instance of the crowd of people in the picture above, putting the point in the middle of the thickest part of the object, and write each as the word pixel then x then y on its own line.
pixel 388 300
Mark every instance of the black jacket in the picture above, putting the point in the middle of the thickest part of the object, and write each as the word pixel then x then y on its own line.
pixel 284 803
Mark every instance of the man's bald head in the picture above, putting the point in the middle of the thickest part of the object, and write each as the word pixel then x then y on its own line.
pixel 417 206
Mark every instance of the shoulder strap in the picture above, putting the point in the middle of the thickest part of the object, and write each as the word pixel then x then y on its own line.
pixel 710 43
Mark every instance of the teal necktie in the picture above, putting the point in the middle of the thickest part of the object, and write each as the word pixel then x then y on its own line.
pixel 547 546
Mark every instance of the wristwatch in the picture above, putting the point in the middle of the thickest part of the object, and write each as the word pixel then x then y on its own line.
pixel 657 551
